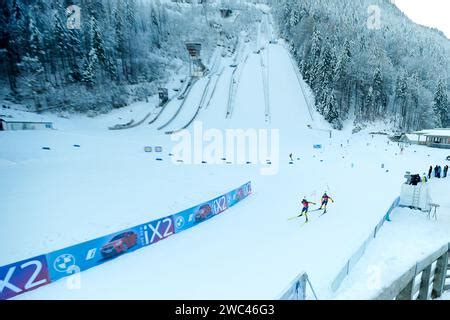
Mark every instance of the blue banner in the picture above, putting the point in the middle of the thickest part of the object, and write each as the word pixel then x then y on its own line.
pixel 92 253
pixel 239 194
pixel 23 276
pixel 30 274
pixel 195 215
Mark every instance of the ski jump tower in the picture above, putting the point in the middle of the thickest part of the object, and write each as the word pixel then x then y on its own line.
pixel 196 66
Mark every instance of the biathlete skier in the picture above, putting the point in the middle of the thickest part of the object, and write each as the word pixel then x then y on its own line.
pixel 325 199
pixel 305 204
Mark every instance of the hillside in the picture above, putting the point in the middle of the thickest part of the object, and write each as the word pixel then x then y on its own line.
pixel 365 60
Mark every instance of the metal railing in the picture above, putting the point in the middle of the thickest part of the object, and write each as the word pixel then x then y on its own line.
pixel 297 289
pixel 343 273
pixel 426 280
pixel 300 82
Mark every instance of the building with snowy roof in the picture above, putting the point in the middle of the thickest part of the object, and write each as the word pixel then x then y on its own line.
pixel 413 138
pixel 14 124
pixel 438 138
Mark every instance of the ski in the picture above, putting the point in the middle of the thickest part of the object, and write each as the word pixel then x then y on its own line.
pixel 295 217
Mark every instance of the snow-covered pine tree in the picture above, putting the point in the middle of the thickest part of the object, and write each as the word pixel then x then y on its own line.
pixel 400 48
pixel 441 105
pixel 97 42
pixel 367 110
pixel 340 79
pixel 379 93
pixel 330 111
pixel 60 45
pixel 89 73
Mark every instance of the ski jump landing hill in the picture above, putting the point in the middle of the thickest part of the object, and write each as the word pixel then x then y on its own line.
pixel 30 274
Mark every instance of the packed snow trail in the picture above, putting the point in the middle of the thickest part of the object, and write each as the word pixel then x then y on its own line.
pixel 234 85
pixel 186 100
pixel 200 105
pixel 179 123
pixel 214 87
pixel 158 109
pixel 265 79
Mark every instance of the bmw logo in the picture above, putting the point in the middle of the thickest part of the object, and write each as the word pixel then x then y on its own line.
pixel 64 262
pixel 179 222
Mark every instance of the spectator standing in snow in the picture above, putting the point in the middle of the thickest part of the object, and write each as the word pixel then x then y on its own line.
pixel 436 171
pixel 445 171
pixel 290 157
pixel 439 171
pixel 424 178
pixel 429 172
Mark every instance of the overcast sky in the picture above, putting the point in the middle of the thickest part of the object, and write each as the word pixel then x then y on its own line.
pixel 432 13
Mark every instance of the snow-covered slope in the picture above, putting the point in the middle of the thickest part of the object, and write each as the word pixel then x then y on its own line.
pixel 54 198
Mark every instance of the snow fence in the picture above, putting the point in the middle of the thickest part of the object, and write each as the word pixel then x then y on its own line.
pixel 26 275
pixel 362 248
pixel 297 288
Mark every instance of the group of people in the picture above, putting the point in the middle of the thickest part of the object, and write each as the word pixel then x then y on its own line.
pixel 437 172
pixel 305 203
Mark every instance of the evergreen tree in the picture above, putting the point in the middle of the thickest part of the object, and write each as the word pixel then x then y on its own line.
pixel 367 112
pixel 97 42
pixel 75 50
pixel 330 111
pixel 89 73
pixel 379 93
pixel 441 105
pixel 36 42
pixel 340 71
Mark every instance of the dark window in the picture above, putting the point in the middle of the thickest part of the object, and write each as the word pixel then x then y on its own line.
pixel 120 236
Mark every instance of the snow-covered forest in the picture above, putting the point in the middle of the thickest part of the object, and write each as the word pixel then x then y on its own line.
pixel 122 51
pixel 365 60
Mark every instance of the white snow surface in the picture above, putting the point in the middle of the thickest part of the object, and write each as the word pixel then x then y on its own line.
pixel 409 238
pixel 51 199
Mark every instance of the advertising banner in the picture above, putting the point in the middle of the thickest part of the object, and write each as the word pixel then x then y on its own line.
pixel 200 213
pixel 23 276
pixel 30 274
pixel 195 215
pixel 92 253
pixel 238 194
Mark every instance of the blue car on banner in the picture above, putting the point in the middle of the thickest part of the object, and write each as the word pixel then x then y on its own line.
pixel 95 252
pixel 92 253
pixel 29 274
pixel 238 194
pixel 195 215
pixel 190 217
